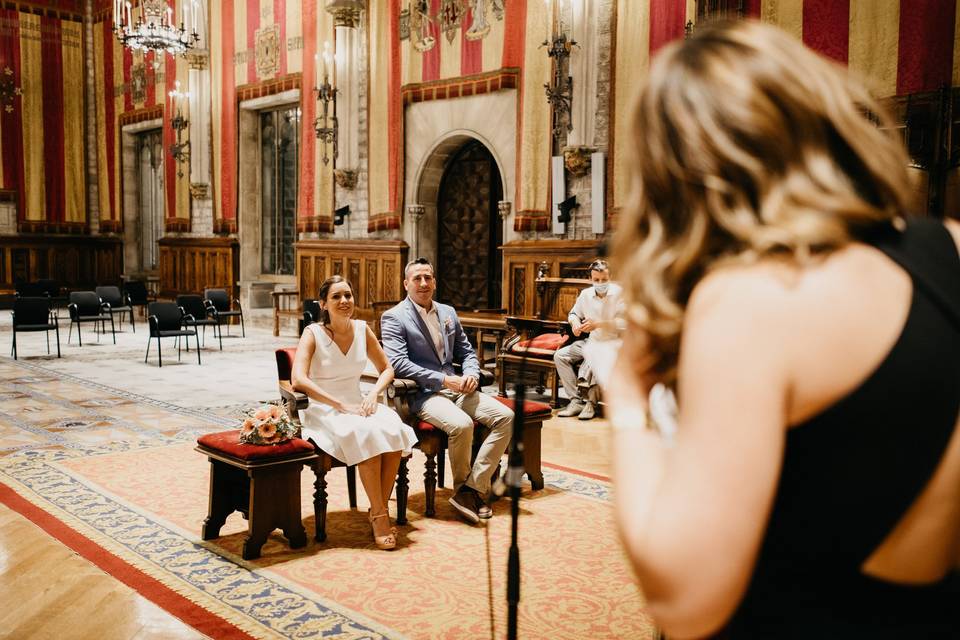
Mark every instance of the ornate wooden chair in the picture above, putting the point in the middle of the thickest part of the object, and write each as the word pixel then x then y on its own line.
pixel 33 314
pixel 294 401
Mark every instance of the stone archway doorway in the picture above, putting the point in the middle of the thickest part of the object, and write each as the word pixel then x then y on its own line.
pixel 469 232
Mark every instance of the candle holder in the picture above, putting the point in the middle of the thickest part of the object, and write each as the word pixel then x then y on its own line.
pixel 179 150
pixel 326 124
pixel 560 90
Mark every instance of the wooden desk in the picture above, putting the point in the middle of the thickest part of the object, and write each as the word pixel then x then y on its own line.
pixel 492 324
pixel 286 303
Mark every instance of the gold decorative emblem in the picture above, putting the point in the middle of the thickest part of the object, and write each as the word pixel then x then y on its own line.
pixel 451 14
pixel 138 82
pixel 268 50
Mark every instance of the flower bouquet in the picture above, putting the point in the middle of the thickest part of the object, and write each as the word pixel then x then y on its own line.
pixel 268 424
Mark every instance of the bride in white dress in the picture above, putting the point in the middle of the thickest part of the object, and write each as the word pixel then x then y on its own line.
pixel 352 427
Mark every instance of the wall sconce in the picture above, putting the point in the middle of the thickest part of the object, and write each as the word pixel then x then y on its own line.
pixel 565 207
pixel 8 90
pixel 560 90
pixel 339 215
pixel 180 150
pixel 326 123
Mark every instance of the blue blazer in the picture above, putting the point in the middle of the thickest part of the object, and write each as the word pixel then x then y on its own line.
pixel 410 349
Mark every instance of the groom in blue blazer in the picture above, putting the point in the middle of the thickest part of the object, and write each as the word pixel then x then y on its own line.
pixel 423 339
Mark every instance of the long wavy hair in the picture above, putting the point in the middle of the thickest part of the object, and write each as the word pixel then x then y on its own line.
pixel 746 145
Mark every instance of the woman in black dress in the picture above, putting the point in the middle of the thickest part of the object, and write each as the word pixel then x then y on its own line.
pixel 812 334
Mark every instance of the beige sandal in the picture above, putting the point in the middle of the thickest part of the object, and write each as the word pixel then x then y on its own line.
pixel 386 542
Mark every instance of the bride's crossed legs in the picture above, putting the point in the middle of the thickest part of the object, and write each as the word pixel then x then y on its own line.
pixel 377 475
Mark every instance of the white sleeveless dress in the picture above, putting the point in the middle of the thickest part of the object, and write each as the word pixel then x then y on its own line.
pixel 348 437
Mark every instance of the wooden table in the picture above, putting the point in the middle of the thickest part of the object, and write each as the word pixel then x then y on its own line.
pixel 484 323
pixel 286 303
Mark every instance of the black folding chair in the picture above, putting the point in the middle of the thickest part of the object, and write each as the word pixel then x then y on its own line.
pixel 119 303
pixel 194 307
pixel 167 320
pixel 218 306
pixel 138 295
pixel 86 306
pixel 33 314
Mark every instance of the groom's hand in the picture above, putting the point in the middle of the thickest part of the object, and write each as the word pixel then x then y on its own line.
pixel 454 383
pixel 468 384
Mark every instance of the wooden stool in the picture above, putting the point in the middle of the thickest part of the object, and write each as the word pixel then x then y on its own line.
pixel 260 481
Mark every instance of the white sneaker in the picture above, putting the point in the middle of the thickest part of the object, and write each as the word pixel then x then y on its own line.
pixel 572 409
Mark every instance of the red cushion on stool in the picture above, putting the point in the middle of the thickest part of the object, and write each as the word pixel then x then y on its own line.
pixel 531 408
pixel 228 442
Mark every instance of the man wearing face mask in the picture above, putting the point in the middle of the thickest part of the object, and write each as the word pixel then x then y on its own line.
pixel 595 313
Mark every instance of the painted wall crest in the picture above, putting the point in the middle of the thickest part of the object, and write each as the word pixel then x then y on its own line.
pixel 268 50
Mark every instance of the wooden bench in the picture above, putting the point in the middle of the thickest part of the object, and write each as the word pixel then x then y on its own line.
pixel 261 482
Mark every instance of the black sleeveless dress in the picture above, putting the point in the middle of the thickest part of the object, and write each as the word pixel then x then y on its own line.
pixel 851 472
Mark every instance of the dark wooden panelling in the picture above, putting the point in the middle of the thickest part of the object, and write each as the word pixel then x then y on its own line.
pixel 521 262
pixel 190 265
pixel 374 267
pixel 76 263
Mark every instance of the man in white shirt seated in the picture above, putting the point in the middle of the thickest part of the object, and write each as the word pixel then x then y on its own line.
pixel 594 316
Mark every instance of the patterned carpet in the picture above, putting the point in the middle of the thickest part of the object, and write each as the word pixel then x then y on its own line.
pixel 118 469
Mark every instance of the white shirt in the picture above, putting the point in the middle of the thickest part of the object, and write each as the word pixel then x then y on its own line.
pixel 608 309
pixel 432 319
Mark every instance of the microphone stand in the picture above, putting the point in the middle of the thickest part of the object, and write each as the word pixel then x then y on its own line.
pixel 514 478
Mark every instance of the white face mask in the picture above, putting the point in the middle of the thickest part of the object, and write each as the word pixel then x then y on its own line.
pixel 601 288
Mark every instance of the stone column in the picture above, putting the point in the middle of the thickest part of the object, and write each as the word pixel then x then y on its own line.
pixel 92 170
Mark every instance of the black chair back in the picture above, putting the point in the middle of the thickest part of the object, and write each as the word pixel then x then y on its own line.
pixel 111 295
pixel 50 287
pixel 168 315
pixel 219 298
pixel 137 292
pixel 87 302
pixel 193 304
pixel 311 311
pixel 31 311
pixel 30 290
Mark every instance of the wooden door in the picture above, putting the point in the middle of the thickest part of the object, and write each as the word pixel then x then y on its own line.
pixel 469 231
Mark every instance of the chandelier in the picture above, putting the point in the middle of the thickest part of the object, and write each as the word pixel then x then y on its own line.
pixel 154 29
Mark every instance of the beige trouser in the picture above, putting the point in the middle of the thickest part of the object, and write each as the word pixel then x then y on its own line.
pixel 454 413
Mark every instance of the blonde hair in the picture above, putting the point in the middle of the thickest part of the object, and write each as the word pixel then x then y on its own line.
pixel 746 145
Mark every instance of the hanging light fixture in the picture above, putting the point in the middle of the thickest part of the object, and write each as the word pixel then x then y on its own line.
pixel 154 28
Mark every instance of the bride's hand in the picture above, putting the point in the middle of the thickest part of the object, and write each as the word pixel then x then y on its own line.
pixel 369 405
pixel 353 409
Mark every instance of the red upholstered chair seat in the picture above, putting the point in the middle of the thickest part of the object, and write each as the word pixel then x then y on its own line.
pixel 545 344
pixel 228 442
pixel 423 425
